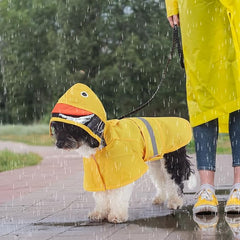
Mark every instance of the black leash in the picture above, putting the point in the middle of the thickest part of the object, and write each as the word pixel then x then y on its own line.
pixel 176 43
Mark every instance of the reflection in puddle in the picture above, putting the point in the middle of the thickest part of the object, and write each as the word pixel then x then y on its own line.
pixel 220 226
pixel 233 221
pixel 207 226
pixel 211 226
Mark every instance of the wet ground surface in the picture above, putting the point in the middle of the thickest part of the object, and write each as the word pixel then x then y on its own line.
pixel 179 224
pixel 48 202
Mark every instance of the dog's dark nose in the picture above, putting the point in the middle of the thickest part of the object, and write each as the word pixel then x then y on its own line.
pixel 60 143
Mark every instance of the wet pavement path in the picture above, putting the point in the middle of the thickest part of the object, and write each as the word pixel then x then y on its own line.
pixel 48 202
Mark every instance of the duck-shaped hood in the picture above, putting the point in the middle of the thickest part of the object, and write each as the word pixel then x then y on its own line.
pixel 81 107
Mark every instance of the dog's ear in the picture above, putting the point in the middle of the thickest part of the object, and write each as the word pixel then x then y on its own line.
pixel 96 125
pixel 55 127
pixel 80 134
pixel 93 143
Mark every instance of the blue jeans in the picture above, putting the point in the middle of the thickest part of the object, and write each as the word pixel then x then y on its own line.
pixel 206 136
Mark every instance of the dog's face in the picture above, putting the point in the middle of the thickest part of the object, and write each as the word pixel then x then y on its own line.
pixel 71 137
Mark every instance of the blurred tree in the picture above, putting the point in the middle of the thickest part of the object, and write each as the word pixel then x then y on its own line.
pixel 24 27
pixel 138 44
pixel 3 114
pixel 122 46
pixel 77 43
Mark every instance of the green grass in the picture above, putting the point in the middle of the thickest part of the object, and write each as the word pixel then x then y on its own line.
pixel 223 145
pixel 36 134
pixel 10 160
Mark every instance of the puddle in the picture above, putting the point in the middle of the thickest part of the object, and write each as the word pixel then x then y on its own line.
pixel 220 226
pixel 202 226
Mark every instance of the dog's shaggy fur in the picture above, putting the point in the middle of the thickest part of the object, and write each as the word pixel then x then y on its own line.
pixel 167 175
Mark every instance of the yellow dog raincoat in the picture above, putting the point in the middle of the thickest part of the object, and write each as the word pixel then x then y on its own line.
pixel 130 142
pixel 211 44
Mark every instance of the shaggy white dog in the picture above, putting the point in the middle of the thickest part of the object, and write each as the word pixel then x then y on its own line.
pixel 113 204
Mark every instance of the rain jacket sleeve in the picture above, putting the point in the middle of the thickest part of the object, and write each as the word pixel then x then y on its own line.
pixel 172 7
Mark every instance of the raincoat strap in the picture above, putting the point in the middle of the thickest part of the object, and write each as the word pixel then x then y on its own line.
pixel 152 136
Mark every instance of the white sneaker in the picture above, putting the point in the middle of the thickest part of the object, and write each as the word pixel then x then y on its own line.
pixel 233 202
pixel 207 202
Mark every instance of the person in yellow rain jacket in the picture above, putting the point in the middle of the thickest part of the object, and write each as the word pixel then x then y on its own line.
pixel 128 143
pixel 211 46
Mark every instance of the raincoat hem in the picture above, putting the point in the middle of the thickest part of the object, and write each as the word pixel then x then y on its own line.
pixel 175 148
pixel 212 114
pixel 89 189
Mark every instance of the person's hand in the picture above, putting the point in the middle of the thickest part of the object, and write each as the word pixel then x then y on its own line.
pixel 174 20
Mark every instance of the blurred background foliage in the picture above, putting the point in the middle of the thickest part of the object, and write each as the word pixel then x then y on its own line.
pixel 122 46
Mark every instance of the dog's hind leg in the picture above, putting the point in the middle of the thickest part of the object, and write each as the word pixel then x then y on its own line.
pixel 178 168
pixel 101 209
pixel 118 203
pixel 167 189
pixel 174 196
pixel 158 177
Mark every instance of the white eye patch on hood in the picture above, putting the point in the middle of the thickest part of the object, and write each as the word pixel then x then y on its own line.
pixel 82 119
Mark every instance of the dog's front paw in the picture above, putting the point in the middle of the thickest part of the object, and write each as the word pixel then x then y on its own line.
pixel 158 200
pixel 113 218
pixel 175 203
pixel 97 216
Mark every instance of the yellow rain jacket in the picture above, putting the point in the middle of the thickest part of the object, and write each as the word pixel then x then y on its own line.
pixel 130 142
pixel 211 39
